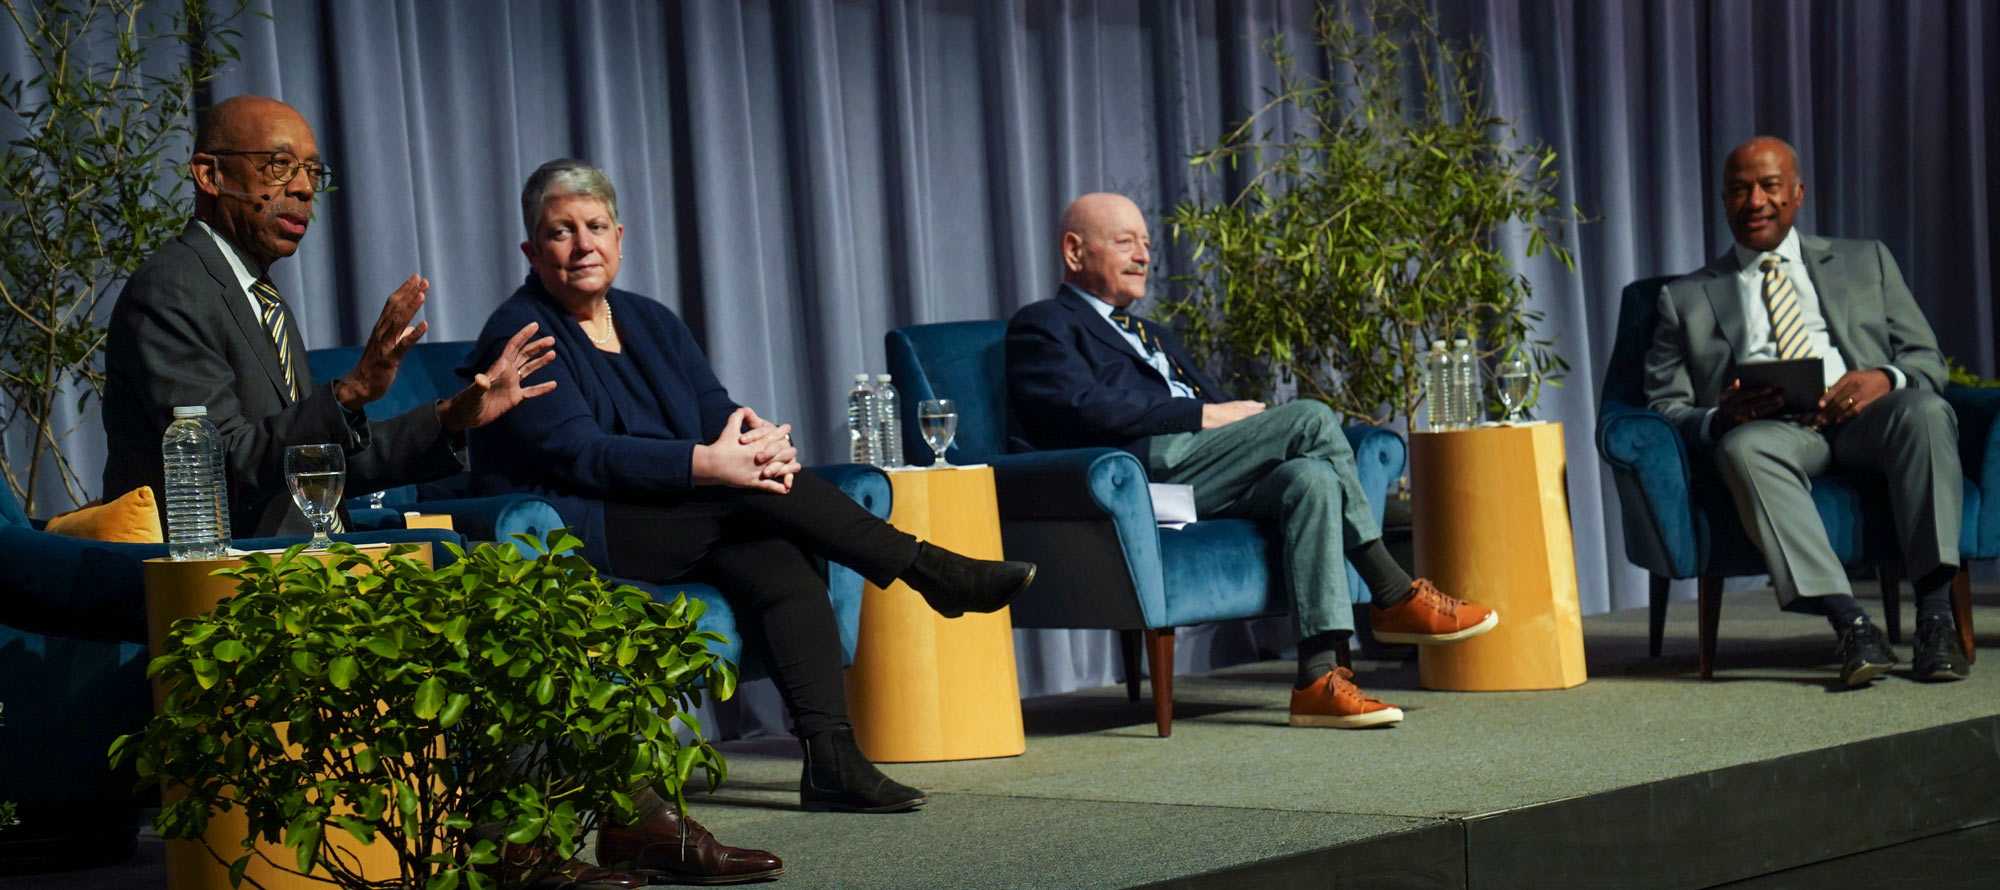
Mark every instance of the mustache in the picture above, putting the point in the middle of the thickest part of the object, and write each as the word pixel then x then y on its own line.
pixel 1136 267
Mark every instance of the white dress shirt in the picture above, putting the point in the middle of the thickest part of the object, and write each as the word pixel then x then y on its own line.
pixel 1154 357
pixel 240 265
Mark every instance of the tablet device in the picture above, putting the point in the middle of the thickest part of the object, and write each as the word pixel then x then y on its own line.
pixel 1801 380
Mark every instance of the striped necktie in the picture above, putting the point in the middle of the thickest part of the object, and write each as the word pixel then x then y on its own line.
pixel 1788 322
pixel 271 314
pixel 1137 328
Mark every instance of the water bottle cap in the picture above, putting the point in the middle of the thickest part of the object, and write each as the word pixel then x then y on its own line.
pixel 1460 342
pixel 860 378
pixel 190 410
pixel 881 378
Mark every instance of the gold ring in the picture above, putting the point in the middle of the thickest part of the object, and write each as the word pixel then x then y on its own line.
pixel 1850 401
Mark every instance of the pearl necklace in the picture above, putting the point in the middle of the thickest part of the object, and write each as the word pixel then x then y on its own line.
pixel 610 326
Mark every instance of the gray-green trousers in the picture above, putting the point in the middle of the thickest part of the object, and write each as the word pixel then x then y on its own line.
pixel 1290 464
pixel 1910 436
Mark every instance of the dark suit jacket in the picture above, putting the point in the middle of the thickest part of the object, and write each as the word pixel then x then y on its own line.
pixel 1074 382
pixel 1870 317
pixel 183 333
pixel 570 444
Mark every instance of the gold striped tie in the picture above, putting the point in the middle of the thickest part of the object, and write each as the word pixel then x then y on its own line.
pixel 1132 323
pixel 272 317
pixel 1788 322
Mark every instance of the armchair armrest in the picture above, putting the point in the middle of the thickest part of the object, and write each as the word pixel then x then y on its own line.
pixel 496 518
pixel 1380 457
pixel 1649 462
pixel 1102 484
pixel 1979 456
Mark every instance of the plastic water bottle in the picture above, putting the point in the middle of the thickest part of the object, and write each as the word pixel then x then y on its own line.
pixel 1439 400
pixel 197 491
pixel 1466 366
pixel 889 407
pixel 863 437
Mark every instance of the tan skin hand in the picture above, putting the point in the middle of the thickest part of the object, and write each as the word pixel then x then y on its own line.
pixel 1853 393
pixel 387 344
pixel 1226 413
pixel 1740 405
pixel 746 456
pixel 500 388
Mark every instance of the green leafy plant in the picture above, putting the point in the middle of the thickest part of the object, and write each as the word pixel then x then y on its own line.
pixel 1368 219
pixel 1963 376
pixel 88 191
pixel 433 710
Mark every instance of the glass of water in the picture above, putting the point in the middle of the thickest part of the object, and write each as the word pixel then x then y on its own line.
pixel 1514 383
pixel 316 474
pixel 937 419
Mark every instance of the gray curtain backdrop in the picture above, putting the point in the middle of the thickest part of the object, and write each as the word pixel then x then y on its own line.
pixel 798 177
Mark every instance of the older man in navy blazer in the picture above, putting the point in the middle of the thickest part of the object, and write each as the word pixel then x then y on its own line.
pixel 1083 371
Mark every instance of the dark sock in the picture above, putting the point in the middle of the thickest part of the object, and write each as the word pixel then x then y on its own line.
pixel 1934 604
pixel 1319 655
pixel 1388 584
pixel 1841 610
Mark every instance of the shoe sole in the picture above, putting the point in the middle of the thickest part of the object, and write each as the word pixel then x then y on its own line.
pixel 1867 673
pixel 663 877
pixel 1492 621
pixel 820 806
pixel 1353 721
pixel 1942 676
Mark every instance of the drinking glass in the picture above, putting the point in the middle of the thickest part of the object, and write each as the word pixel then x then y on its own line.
pixel 937 419
pixel 1514 383
pixel 316 474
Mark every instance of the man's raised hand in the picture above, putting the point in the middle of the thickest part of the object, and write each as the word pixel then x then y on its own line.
pixel 500 388
pixel 383 354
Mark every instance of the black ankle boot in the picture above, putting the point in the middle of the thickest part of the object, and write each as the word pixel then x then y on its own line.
pixel 955 585
pixel 838 777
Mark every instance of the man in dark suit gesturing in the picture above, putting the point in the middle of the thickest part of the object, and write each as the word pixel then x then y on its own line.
pixel 1083 371
pixel 1777 294
pixel 200 323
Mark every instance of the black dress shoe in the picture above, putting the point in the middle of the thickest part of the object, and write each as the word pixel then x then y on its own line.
pixel 1939 655
pixel 954 585
pixel 1864 654
pixel 838 777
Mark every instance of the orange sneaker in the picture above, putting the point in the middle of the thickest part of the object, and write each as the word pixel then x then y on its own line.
pixel 1430 617
pixel 1334 701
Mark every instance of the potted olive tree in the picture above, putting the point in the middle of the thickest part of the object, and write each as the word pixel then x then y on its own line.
pixel 1363 220
pixel 438 712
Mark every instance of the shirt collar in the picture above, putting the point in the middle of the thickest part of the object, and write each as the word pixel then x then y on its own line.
pixel 1748 258
pixel 1103 309
pixel 231 254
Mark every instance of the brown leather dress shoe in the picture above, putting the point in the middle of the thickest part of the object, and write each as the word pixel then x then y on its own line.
pixel 518 862
pixel 672 849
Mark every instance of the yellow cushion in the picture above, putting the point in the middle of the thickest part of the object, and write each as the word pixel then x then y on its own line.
pixel 132 519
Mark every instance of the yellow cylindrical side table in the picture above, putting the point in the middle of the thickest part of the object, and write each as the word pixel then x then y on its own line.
pixel 1490 511
pixel 176 590
pixel 924 687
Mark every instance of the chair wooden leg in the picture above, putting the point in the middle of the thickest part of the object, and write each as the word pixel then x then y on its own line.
pixel 1710 609
pixel 1961 609
pixel 1656 629
pixel 1160 654
pixel 1892 602
pixel 1129 643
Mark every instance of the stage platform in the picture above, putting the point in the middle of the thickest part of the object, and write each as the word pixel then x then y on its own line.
pixel 1644 777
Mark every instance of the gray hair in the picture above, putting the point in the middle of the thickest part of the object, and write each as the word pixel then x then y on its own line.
pixel 564 177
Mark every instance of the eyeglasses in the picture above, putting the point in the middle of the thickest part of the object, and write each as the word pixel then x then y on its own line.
pixel 282 167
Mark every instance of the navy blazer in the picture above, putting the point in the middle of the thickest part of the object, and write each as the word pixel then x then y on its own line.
pixel 562 444
pixel 1074 382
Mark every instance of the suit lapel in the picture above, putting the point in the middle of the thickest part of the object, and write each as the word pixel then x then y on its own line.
pixel 236 304
pixel 1823 270
pixel 1095 324
pixel 1725 300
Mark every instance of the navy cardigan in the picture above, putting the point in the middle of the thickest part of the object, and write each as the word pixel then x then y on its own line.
pixel 561 444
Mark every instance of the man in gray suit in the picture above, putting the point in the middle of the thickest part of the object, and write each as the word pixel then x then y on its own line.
pixel 200 323
pixel 1778 294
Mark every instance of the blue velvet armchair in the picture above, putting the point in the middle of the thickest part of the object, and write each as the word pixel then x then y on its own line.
pixel 429 372
pixel 72 678
pixel 1086 517
pixel 1680 521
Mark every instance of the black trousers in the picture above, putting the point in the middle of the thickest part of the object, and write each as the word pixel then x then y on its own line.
pixel 758 548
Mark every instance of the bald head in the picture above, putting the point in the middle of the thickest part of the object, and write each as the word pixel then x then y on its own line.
pixel 1762 191
pixel 243 145
pixel 1106 249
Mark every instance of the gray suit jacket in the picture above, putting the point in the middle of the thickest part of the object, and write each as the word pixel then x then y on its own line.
pixel 1870 316
pixel 183 333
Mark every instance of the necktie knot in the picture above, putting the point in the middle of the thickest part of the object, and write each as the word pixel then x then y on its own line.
pixel 1770 263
